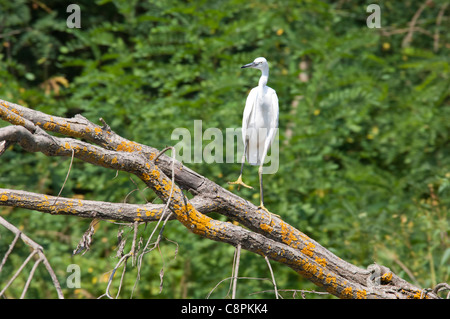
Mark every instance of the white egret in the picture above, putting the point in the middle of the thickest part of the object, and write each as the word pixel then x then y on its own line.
pixel 259 124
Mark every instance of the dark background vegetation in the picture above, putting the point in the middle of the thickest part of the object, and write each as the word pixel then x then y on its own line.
pixel 364 130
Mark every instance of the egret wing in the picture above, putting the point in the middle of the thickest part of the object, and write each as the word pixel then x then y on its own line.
pixel 273 124
pixel 248 110
pixel 246 119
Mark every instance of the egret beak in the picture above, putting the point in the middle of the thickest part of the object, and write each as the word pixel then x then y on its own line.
pixel 248 65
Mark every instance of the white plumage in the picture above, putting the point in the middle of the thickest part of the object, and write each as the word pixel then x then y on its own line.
pixel 259 123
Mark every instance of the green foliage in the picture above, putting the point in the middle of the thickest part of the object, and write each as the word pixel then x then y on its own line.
pixel 364 159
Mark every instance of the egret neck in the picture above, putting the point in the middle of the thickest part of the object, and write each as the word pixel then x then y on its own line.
pixel 264 77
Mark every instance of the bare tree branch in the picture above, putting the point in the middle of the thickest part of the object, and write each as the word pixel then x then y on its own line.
pixel 269 237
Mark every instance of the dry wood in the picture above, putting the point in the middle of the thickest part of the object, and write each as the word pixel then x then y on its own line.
pixel 269 237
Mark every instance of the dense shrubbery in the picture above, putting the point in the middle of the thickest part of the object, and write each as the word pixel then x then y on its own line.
pixel 364 128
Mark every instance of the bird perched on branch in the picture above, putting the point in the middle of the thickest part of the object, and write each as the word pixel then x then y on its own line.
pixel 259 125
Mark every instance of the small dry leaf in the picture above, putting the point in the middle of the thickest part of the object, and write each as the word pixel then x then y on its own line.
pixel 86 239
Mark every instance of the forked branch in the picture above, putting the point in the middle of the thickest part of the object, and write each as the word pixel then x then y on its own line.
pixel 271 238
pixel 36 249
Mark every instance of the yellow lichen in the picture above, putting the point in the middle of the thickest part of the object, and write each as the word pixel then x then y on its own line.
pixel 386 278
pixel 66 130
pixel 320 274
pixel 361 294
pixel 155 173
pixel 347 293
pixel 49 126
pixel 321 261
pixel 331 280
pixel 309 270
pixel 266 227
pixel 287 236
pixel 417 295
pixel 128 147
pixel 309 250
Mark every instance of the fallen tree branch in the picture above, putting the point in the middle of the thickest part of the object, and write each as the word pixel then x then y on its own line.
pixel 269 237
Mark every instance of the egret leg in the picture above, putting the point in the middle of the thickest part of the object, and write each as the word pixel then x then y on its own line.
pixel 239 181
pixel 261 195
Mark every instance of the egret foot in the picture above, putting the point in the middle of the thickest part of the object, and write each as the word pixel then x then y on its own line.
pixel 240 183
pixel 267 211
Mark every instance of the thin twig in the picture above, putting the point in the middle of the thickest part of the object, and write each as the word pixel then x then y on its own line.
pixel 302 292
pixel 176 244
pixel 133 256
pixel 121 279
pixel 122 260
pixel 67 176
pixel 111 277
pixel 18 272
pixel 273 277
pixel 232 278
pixel 233 267
pixel 165 150
pixel 236 270
pixel 11 247
pixel 438 24
pixel 388 32
pixel 136 189
pixel 408 38
pixel 405 269
pixel 37 249
pixel 440 287
pixel 30 276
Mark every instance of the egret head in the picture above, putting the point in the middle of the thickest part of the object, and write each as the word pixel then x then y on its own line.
pixel 259 63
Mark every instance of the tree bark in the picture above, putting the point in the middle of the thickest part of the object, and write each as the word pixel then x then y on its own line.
pixel 263 235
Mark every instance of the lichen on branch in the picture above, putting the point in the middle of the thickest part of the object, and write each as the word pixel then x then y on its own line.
pixel 263 235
